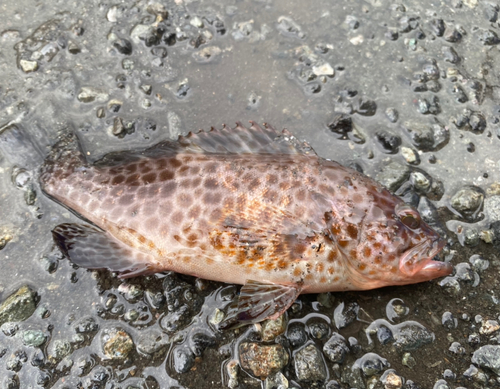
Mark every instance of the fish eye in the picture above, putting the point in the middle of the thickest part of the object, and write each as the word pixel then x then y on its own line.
pixel 408 216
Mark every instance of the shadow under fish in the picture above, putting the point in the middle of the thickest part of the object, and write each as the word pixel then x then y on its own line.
pixel 251 206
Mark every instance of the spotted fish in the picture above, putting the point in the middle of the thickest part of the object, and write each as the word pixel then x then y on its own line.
pixel 250 206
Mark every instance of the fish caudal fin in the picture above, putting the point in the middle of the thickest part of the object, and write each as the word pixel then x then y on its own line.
pixel 259 301
pixel 91 248
pixel 66 156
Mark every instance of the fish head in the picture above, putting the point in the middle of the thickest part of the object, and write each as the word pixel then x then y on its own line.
pixel 395 246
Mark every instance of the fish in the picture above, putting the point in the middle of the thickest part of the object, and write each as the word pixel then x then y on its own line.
pixel 244 205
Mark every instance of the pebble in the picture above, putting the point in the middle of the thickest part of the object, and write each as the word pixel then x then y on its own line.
pixel 18 306
pixel 488 357
pixel 392 114
pixel 28 66
pixel 366 107
pixel 448 320
pixel 58 349
pixel 487 37
pixel 336 348
pixel 207 54
pixel 488 327
pixel 345 314
pixel 309 364
pixel 288 27
pixel 457 348
pixel 441 384
pixel 183 359
pixel 371 364
pixel 270 329
pixel 33 338
pixel 450 55
pixel 88 94
pixel 123 46
pixel 396 309
pixel 393 381
pixel 408 360
pixel 323 70
pixel 393 175
pixel 410 155
pixel 262 360
pixel 276 381
pixel 390 143
pixel 467 201
pixel 296 334
pixel 341 124
pixel 116 343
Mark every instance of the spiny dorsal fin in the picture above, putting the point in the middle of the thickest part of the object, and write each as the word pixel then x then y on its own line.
pixel 242 140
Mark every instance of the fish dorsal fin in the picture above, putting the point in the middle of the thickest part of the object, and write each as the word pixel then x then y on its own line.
pixel 238 140
pixel 242 140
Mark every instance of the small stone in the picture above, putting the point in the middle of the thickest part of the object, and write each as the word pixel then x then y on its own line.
pixel 114 105
pixel 393 175
pixel 448 321
pixel 341 124
pixel 366 107
pixel 73 48
pixel 296 334
pixel 489 327
pixel 457 348
pixel 33 338
pixel 146 88
pixel 183 360
pixel 437 26
pixel 392 114
pixel 123 46
pixel 488 357
pixel 467 201
pixel 309 365
pixel 345 314
pixel 58 349
pixel 336 348
pixel 390 143
pixel 370 364
pixel 488 37
pixel 451 34
pixel 28 66
pixel 89 94
pixel 276 381
pixel 18 306
pixel 410 155
pixel 116 343
pixel 420 181
pixel 207 54
pixel 450 55
pixel 288 27
pixel 393 381
pixel 262 360
pixel 441 384
pixel 85 325
pixel 273 328
pixel 323 70
pixel 196 22
pixel 408 361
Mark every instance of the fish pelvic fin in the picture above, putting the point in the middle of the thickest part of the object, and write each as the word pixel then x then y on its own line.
pixel 259 301
pixel 89 247
pixel 65 157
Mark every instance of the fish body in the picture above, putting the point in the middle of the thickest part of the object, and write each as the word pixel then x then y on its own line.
pixel 235 205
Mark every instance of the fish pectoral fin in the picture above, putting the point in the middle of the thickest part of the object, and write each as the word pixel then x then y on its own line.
pixel 258 301
pixel 89 247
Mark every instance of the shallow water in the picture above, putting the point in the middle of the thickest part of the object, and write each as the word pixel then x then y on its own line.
pixel 266 60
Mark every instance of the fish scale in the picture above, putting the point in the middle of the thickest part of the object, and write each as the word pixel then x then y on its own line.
pixel 239 205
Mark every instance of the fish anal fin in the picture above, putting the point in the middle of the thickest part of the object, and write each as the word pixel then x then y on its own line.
pixel 259 301
pixel 89 247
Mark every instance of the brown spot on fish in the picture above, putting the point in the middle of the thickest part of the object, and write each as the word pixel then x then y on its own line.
pixel 175 163
pixel 118 180
pixel 352 231
pixel 332 256
pixel 149 178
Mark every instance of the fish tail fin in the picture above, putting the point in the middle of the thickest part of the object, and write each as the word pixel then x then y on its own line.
pixel 66 156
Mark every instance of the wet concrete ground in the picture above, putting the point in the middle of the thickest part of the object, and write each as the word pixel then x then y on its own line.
pixel 406 92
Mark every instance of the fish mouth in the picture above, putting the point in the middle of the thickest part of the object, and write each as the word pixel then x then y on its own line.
pixel 429 269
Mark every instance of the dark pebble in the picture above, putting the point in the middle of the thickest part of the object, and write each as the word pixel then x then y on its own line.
pixel 296 334
pixel 491 12
pixel 160 52
pixel 437 26
pixel 123 46
pixel 336 348
pixel 488 357
pixel 390 143
pixel 451 34
pixel 366 107
pixel 488 37
pixel 459 94
pixel 433 86
pixel 183 359
pixel 450 55
pixel 199 342
pixel 341 124
pixel 392 114
pixel 345 314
